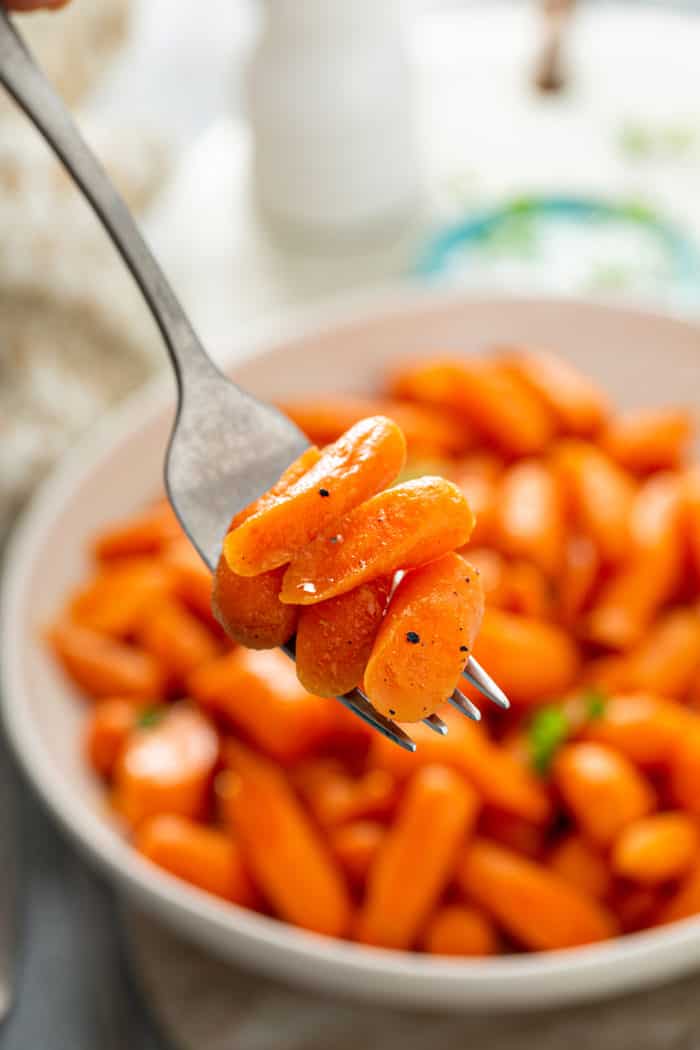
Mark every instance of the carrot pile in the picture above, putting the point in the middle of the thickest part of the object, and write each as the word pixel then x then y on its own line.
pixel 317 556
pixel 572 818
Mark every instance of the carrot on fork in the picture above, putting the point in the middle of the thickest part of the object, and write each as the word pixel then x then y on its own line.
pixel 424 641
pixel 402 528
pixel 248 608
pixel 334 639
pixel 360 464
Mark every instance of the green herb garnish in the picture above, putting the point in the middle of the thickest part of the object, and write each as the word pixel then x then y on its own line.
pixel 548 730
pixel 150 716
pixel 595 703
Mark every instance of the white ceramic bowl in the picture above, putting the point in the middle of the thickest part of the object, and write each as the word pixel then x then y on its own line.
pixel 638 357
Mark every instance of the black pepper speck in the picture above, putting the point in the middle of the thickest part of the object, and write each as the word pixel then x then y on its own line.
pixel 323 492
pixel 464 648
pixel 391 711
pixel 412 637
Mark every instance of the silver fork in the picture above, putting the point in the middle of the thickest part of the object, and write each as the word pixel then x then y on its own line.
pixel 226 447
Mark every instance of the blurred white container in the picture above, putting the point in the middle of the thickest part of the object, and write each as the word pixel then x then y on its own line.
pixel 331 109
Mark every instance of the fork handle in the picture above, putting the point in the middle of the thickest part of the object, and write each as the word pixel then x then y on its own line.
pixel 32 92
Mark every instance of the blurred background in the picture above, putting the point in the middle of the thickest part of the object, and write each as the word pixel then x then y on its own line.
pixel 538 146
pixel 535 145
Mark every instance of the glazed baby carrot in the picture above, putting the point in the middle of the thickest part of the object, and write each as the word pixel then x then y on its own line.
pixel 166 767
pixel 205 857
pixel 599 494
pixel 361 463
pixel 530 659
pixel 425 638
pixel 177 639
pixel 416 859
pixel 648 439
pixel 501 779
pixel 579 863
pixel 652 568
pixel 108 728
pixel 502 408
pixel 259 693
pixel 117 599
pixel 685 769
pixel 530 515
pixel 355 847
pixel 644 728
pixel 656 849
pixel 335 797
pixel 498 404
pixel 430 381
pixel 403 527
pixel 335 638
pixel 512 831
pixel 192 579
pixel 429 430
pixel 534 905
pixel 103 667
pixel 580 572
pixel 248 608
pixel 602 789
pixel 493 570
pixel 456 929
pixel 288 858
pixel 527 591
pixel 477 478
pixel 667 659
pixel 691 507
pixel 578 404
pixel 146 533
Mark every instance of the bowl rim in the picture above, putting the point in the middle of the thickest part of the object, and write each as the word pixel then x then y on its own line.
pixel 284 946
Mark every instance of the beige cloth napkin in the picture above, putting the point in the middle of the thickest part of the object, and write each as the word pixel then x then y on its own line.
pixel 205 1004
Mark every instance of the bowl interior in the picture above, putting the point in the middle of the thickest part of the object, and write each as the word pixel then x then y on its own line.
pixel 639 358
